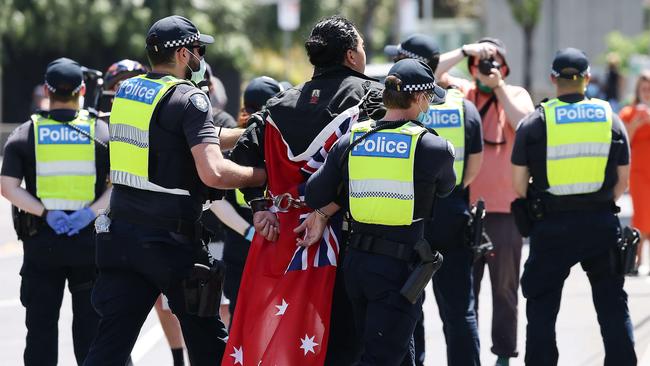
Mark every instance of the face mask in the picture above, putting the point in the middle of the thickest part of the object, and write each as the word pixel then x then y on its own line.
pixel 422 116
pixel 197 76
pixel 482 87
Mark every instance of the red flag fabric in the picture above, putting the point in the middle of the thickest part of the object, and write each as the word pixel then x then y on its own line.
pixel 285 297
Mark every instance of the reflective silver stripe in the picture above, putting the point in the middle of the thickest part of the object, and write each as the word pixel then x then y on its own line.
pixel 366 188
pixel 63 204
pixel 129 134
pixel 124 178
pixel 60 168
pixel 460 155
pixel 584 149
pixel 576 188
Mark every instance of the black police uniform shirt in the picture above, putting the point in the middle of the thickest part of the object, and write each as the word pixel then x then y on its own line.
pixel 433 171
pixel 20 157
pixel 530 150
pixel 301 112
pixel 179 124
pixel 451 213
pixel 236 246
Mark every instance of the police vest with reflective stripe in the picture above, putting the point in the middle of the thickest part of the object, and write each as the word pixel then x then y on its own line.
pixel 380 167
pixel 448 120
pixel 133 107
pixel 579 137
pixel 241 201
pixel 65 161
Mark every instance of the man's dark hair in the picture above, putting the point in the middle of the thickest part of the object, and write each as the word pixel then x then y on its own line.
pixel 159 55
pixel 394 99
pixel 330 39
pixel 63 98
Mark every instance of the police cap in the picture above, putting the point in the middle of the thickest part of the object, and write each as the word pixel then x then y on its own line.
pixel 570 63
pixel 258 91
pixel 417 46
pixel 416 76
pixel 64 77
pixel 175 31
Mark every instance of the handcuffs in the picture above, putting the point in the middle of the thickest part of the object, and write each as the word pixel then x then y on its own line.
pixel 282 203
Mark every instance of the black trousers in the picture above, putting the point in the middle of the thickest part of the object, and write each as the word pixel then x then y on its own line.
pixel 136 264
pixel 49 261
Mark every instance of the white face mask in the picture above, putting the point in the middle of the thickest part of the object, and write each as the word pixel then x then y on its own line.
pixel 197 76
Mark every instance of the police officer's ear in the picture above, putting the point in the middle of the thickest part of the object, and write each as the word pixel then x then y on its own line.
pixel 82 91
pixel 553 80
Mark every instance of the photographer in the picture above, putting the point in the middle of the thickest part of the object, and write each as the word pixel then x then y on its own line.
pixel 501 106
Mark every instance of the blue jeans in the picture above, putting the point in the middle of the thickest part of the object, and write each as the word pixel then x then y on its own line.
pixel 557 243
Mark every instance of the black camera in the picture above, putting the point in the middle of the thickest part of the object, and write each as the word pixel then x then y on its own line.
pixel 485 65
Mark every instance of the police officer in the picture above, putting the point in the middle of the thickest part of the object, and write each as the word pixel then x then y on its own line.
pixel 576 151
pixel 165 150
pixel 387 174
pixel 62 155
pixel 233 210
pixel 459 122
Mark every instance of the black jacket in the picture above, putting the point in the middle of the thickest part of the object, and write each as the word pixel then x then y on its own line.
pixel 301 112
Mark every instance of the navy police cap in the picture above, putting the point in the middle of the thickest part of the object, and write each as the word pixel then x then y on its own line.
pixel 570 63
pixel 416 76
pixel 64 77
pixel 417 46
pixel 175 31
pixel 258 91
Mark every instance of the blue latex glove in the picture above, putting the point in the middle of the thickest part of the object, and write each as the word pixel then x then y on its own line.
pixel 250 232
pixel 80 219
pixel 59 221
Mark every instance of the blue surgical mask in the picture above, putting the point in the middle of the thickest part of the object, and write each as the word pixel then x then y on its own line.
pixel 423 116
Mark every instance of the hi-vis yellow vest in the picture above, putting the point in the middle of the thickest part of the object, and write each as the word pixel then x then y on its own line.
pixel 448 120
pixel 241 201
pixel 381 174
pixel 579 137
pixel 133 108
pixel 65 162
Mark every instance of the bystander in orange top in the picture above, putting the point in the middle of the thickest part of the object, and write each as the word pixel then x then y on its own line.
pixel 637 121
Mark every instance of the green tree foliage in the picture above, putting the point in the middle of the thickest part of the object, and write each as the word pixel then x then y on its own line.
pixel 626 46
pixel 99 32
pixel 526 13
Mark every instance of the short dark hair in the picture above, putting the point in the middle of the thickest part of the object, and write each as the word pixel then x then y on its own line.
pixel 162 56
pixel 330 39
pixel 394 99
pixel 63 98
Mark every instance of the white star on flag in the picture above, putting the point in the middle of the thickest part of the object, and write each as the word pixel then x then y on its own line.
pixel 308 344
pixel 238 355
pixel 282 308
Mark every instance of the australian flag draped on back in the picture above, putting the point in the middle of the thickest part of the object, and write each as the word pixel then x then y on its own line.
pixel 284 303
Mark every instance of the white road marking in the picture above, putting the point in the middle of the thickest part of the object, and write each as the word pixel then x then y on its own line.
pixel 10 303
pixel 147 341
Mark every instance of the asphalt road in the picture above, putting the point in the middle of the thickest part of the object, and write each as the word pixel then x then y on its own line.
pixel 579 339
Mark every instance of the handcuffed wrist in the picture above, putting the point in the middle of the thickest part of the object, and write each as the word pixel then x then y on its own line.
pixel 322 214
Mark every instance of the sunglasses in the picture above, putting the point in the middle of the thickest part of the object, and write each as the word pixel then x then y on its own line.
pixel 200 47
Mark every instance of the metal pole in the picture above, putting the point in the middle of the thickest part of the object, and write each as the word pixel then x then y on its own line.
pixel 286 45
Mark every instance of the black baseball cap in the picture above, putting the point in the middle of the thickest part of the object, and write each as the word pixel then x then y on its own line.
pixel 175 31
pixel 416 76
pixel 258 91
pixel 417 46
pixel 570 63
pixel 64 77
pixel 501 50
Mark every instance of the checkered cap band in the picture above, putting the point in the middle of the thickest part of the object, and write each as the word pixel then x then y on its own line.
pixel 182 42
pixel 53 89
pixel 418 87
pixel 411 54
